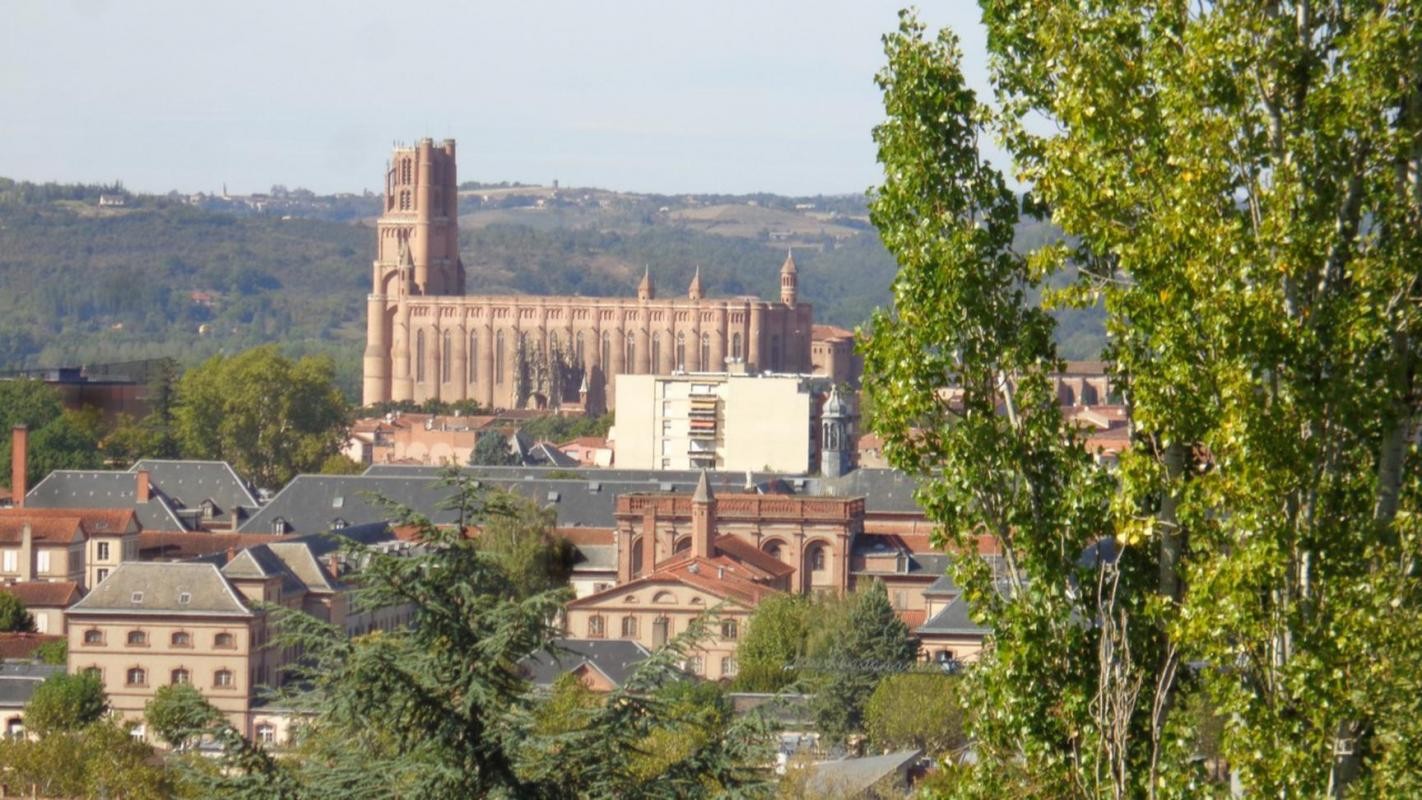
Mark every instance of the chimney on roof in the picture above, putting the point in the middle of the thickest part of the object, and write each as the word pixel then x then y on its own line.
pixel 141 490
pixel 333 565
pixel 231 552
pixel 27 552
pixel 19 464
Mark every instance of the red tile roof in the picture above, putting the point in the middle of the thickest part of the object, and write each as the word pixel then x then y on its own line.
pixel 22 646
pixel 588 535
pixel 43 530
pixel 45 594
pixel 177 545
pixel 95 521
pixel 823 332
pixel 745 551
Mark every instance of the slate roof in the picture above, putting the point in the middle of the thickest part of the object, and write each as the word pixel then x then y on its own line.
pixel 66 488
pixel 885 491
pixel 854 777
pixel 616 659
pixel 259 563
pixel 19 681
pixel 191 482
pixel 953 619
pixel 137 587
pixel 312 503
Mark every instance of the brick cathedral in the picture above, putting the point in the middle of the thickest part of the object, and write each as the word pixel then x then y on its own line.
pixel 427 339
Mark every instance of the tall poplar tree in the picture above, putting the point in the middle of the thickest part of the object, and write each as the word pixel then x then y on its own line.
pixel 1241 185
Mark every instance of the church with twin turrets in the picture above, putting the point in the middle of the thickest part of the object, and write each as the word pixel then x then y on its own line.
pixel 426 339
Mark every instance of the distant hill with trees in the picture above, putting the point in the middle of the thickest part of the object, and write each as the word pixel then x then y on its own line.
pixel 189 276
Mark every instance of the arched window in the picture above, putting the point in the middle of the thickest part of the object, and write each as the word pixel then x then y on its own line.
pixel 606 352
pixel 680 351
pixel 222 679
pixel 774 353
pixel 419 356
pixel 629 627
pixel 817 557
pixel 446 360
pixel 656 353
pixel 499 357
pixel 596 629
pixel 772 549
pixel 706 365
pixel 472 373
pixel 405 170
pixel 729 629
pixel 736 346
pixel 579 347
pixel 136 676
pixel 180 675
pixel 682 545
pixel 182 639
pixel 637 556
pixel 661 631
pixel 552 342
pixel 630 364
pixel 665 598
pixel 224 641
pixel 137 638
pixel 93 636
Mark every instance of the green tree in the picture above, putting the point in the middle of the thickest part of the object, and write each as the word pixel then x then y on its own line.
pixel 491 449
pixel 13 615
pixel 871 644
pixel 55 651
pixel 522 538
pixel 341 464
pixel 179 715
pixel 438 709
pixel 58 439
pixel 768 656
pixel 130 440
pixel 99 760
pixel 267 415
pixel 1240 187
pixel 916 709
pixel 65 703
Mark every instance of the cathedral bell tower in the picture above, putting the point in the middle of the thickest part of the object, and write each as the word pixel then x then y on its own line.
pixel 416 253
pixel 788 279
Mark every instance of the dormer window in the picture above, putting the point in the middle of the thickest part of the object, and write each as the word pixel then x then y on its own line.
pixel 338 524
pixel 209 509
pixel 136 597
pixel 279 525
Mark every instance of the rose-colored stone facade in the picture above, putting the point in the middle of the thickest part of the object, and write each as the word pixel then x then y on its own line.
pixel 426 339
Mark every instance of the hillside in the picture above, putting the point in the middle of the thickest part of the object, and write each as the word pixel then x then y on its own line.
pixel 188 276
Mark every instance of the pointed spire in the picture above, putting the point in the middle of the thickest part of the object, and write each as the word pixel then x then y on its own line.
pixel 703 490
pixel 644 289
pixel 788 268
pixel 694 291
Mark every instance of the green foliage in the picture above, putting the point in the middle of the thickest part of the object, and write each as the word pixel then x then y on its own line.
pixel 179 715
pixel 557 428
pixel 55 651
pixel 269 416
pixel 13 616
pixel 916 709
pixel 341 464
pixel 522 538
pixel 100 760
pixel 774 644
pixel 1238 184
pixel 59 439
pixel 65 703
pixel 439 709
pixel 871 644
pixel 491 449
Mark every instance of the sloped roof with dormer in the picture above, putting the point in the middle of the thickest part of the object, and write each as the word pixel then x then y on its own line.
pixel 107 489
pixel 136 587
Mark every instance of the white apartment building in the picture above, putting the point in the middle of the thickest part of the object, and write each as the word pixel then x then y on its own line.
pixel 720 421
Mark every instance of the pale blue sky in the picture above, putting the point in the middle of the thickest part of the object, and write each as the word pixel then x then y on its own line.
pixel 723 96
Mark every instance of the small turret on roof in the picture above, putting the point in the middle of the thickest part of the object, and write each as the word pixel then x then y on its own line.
pixel 694 291
pixel 644 289
pixel 788 279
pixel 703 490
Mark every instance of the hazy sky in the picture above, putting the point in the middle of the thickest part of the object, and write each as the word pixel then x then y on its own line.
pixel 669 96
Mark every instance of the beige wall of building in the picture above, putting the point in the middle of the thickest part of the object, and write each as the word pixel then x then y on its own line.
pixel 717 421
